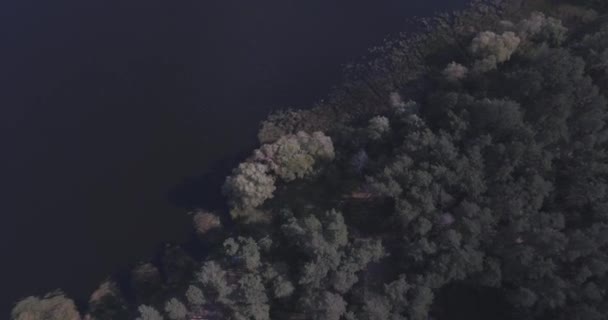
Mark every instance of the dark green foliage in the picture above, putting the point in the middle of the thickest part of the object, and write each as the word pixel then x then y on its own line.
pixel 146 283
pixel 356 259
pixel 176 266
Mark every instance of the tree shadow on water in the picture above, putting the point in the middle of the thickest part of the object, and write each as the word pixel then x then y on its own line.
pixel 459 301
pixel 204 190
pixel 197 192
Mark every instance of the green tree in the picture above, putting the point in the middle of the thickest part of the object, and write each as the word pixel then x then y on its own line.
pixel 294 156
pixel 176 310
pixel 323 305
pixel 249 185
pixel 195 296
pixel 243 251
pixel 148 313
pixel 249 299
pixel 492 49
pixel 213 280
pixel 377 127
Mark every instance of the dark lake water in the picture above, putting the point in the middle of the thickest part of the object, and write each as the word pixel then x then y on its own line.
pixel 108 105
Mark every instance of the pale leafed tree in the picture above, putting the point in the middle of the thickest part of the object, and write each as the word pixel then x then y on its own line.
pixel 376 307
pixel 455 71
pixel 290 121
pixel 493 49
pixel 148 313
pixel 276 278
pixel 294 156
pixel 213 280
pixel 378 126
pixel 539 26
pixel 279 124
pixel 107 302
pixel 321 239
pixel 195 296
pixel 290 157
pixel 53 306
pixel 395 100
pixel 205 221
pixel 402 107
pixel 249 185
pixel 244 251
pixel 249 299
pixel 107 288
pixel 176 310
pixel 281 287
pixel 335 229
pixel 356 258
pixel 324 305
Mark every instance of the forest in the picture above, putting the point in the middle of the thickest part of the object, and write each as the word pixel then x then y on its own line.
pixel 459 172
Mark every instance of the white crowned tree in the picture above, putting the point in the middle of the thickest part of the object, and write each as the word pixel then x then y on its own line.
pixel 249 185
pixel 493 49
pixel 53 306
pixel 148 313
